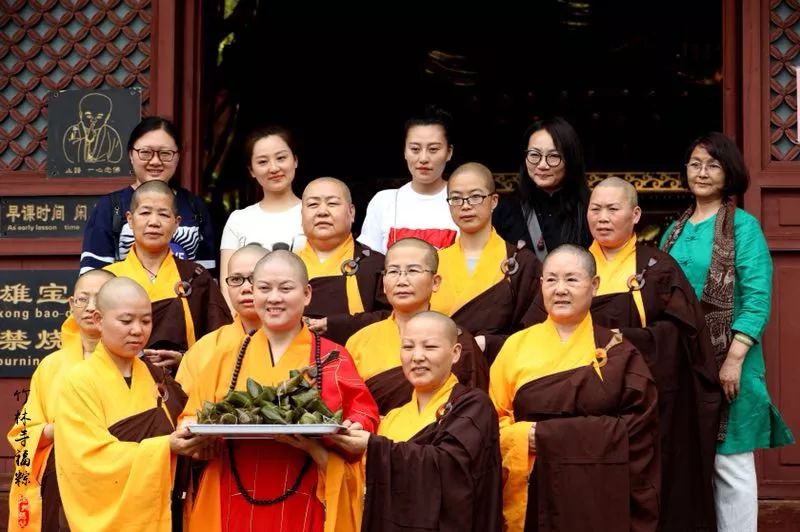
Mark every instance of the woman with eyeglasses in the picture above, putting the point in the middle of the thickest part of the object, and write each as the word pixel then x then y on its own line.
pixel 154 149
pixel 487 283
pixel 724 254
pixel 549 208
pixel 272 162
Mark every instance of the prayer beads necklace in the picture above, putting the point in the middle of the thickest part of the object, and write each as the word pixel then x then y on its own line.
pixel 306 464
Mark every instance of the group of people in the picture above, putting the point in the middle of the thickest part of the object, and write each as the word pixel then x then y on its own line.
pixel 519 363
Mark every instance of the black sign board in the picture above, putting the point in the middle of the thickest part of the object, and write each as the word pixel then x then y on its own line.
pixel 33 306
pixel 45 216
pixel 88 130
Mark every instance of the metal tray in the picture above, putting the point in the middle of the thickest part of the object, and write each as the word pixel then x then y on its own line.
pixel 263 431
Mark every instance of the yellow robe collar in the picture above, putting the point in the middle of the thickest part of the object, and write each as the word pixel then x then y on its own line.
pixel 614 274
pixel 402 423
pixel 459 286
pixel 376 348
pixel 160 288
pixel 331 267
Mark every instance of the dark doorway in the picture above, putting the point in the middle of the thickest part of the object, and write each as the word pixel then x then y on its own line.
pixel 638 86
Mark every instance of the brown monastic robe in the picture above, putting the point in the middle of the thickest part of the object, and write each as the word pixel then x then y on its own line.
pixel 391 389
pixel 445 478
pixel 676 347
pixel 499 311
pixel 597 456
pixel 206 306
pixel 329 297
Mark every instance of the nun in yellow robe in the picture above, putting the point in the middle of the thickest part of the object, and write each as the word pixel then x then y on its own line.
pixel 34 500
pixel 116 415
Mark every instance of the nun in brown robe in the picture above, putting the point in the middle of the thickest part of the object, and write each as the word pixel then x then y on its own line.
pixel 187 302
pixel 487 283
pixel 659 313
pixel 578 415
pixel 375 349
pixel 345 275
pixel 434 463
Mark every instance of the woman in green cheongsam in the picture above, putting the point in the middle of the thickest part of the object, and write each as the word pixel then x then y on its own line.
pixel 724 254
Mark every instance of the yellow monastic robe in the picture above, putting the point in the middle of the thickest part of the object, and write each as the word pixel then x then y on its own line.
pixel 331 267
pixel 39 410
pixel 614 274
pixel 376 348
pixel 105 483
pixel 340 486
pixel 528 355
pixel 227 337
pixel 401 424
pixel 162 287
pixel 459 286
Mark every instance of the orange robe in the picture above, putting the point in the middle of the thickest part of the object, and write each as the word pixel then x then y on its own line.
pixel 330 500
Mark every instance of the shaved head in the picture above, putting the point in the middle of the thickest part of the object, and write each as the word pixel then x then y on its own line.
pixel 585 259
pixel 476 169
pixel 250 250
pixel 154 187
pixel 345 190
pixel 444 324
pixel 431 257
pixel 286 257
pixel 105 275
pixel 617 182
pixel 118 292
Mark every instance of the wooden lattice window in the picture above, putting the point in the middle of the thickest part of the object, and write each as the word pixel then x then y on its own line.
pixel 784 47
pixel 49 45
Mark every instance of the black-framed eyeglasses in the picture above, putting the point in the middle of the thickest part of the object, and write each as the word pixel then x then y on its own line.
pixel 146 154
pixel 473 199
pixel 238 280
pixel 413 271
pixel 552 159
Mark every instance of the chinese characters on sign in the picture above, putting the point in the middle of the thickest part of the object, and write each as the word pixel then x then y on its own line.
pixel 88 130
pixel 21 458
pixel 33 306
pixel 44 216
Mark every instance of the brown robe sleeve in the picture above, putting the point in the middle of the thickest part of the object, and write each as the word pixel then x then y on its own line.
pixel 207 306
pixel 341 324
pixel 446 478
pixel 676 346
pixel 597 445
pixel 525 284
pixel 471 369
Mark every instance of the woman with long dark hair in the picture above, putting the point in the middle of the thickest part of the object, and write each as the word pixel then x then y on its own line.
pixel 549 208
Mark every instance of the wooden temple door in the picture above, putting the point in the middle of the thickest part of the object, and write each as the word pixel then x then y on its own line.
pixel 770 48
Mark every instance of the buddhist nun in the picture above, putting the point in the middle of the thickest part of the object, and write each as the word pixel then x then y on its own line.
pixel 409 279
pixel 578 415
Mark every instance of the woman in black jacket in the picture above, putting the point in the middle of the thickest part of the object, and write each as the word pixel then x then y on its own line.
pixel 549 208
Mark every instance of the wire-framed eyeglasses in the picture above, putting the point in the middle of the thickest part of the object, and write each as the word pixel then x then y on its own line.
pixel 81 301
pixel 412 272
pixel 712 167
